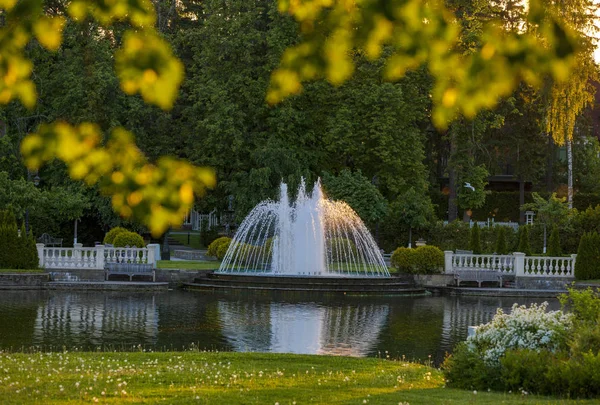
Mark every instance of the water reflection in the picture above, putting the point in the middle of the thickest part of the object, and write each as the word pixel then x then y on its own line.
pixel 75 319
pixel 304 328
pixel 417 327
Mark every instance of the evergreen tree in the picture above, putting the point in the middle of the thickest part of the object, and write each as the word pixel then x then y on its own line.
pixel 524 245
pixel 554 243
pixel 501 247
pixel 16 252
pixel 588 257
pixel 475 240
pixel 3 240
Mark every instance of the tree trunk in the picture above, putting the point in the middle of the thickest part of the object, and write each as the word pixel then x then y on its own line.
pixel 452 207
pixel 521 200
pixel 569 173
pixel 550 165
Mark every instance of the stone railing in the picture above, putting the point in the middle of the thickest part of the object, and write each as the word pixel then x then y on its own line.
pixel 517 264
pixel 549 266
pixel 501 263
pixel 95 257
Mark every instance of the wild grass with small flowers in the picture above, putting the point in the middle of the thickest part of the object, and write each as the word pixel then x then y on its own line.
pixel 195 377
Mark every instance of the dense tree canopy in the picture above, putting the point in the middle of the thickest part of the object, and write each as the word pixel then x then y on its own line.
pixel 104 80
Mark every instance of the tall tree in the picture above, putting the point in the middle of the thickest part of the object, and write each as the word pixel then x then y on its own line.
pixel 569 98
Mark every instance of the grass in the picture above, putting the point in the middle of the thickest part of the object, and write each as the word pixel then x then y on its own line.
pixel 182 238
pixel 188 265
pixel 22 271
pixel 587 282
pixel 230 378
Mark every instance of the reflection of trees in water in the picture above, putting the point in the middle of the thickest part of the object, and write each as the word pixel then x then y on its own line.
pixel 350 330
pixel 188 318
pixel 18 313
pixel 74 319
pixel 358 326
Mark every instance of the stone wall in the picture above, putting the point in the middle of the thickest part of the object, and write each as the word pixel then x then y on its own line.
pixel 544 283
pixel 23 279
pixel 434 280
pixel 76 275
pixel 177 277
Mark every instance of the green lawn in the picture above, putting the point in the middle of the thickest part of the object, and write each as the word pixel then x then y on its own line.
pixel 587 282
pixel 230 378
pixel 188 265
pixel 22 271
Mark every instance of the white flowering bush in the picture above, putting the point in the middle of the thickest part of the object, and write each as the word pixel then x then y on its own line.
pixel 532 328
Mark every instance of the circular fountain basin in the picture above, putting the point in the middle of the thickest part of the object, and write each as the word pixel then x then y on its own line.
pixel 357 285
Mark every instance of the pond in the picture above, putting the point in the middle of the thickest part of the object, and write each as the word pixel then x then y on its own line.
pixel 419 328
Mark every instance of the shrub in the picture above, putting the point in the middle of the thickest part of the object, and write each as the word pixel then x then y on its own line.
pixel 465 369
pixel 525 369
pixel 452 236
pixel 475 240
pixel 130 239
pixel 403 259
pixel 222 250
pixel 110 236
pixel 524 328
pixel 552 353
pixel 524 245
pixel 554 249
pixel 214 246
pixel 428 259
pixel 588 257
pixel 501 247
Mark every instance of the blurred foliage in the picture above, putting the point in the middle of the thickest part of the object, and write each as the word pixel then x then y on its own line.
pixel 158 194
pixel 145 64
pixel 424 34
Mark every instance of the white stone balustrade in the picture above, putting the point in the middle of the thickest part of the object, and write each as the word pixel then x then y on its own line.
pixel 517 264
pixel 549 266
pixel 501 263
pixel 95 257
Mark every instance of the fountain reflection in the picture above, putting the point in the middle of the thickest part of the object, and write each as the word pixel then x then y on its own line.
pixel 303 328
pixel 417 327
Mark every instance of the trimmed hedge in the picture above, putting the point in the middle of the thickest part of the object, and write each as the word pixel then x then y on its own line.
pixel 422 260
pixel 110 236
pixel 213 248
pixel 130 239
pixel 403 259
pixel 428 260
pixel 222 249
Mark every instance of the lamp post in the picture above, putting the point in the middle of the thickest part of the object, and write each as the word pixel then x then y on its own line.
pixel 36 182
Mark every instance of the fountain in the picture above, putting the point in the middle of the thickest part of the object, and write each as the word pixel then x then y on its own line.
pixel 312 244
pixel 313 236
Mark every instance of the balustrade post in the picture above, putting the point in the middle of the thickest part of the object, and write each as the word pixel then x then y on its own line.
pixel 574 258
pixel 77 259
pixel 448 254
pixel 152 249
pixel 519 264
pixel 40 251
pixel 99 257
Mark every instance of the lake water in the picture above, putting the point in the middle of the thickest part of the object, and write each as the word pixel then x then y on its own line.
pixel 416 327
